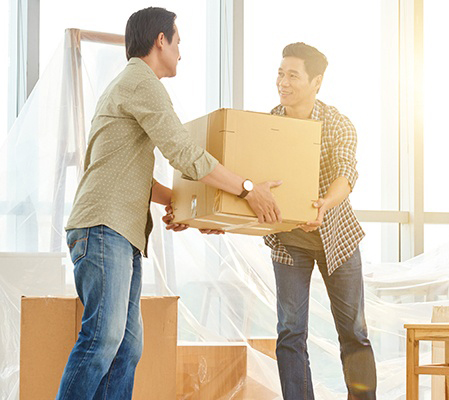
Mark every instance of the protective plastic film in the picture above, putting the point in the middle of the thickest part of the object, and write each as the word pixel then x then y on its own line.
pixel 227 309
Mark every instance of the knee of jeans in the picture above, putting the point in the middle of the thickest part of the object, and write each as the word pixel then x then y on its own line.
pixel 109 343
pixel 355 339
pixel 137 351
pixel 292 321
pixel 135 343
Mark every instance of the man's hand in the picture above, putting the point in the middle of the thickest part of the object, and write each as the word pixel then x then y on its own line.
pixel 322 206
pixel 336 193
pixel 211 231
pixel 262 202
pixel 168 218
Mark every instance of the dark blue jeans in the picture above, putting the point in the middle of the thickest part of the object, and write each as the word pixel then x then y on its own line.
pixel 108 278
pixel 345 290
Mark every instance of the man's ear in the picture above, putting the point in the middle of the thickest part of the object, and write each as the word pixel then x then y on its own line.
pixel 159 42
pixel 318 81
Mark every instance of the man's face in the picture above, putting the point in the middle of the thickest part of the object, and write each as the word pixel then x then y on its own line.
pixel 171 54
pixel 293 83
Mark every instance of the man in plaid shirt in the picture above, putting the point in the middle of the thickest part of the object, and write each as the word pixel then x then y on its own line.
pixel 331 241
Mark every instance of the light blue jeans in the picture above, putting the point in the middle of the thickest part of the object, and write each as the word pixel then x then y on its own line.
pixel 345 290
pixel 108 278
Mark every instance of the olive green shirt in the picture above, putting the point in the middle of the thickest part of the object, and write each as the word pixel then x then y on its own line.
pixel 133 116
pixel 298 238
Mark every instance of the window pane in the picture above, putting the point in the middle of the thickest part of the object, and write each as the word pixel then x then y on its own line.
pixel 4 34
pixel 381 243
pixel 188 88
pixel 361 79
pixel 435 236
pixel 436 87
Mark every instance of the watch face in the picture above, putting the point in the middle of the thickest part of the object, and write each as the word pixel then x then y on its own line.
pixel 248 185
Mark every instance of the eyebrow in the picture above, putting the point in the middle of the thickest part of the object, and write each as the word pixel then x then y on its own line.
pixel 290 70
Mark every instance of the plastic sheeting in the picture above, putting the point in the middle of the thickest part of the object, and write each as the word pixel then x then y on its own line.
pixel 226 283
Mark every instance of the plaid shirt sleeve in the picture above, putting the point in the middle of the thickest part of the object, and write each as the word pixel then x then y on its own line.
pixel 344 161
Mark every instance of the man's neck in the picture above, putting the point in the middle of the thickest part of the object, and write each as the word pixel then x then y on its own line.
pixel 303 111
pixel 152 61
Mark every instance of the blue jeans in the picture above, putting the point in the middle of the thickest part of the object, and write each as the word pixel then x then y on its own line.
pixel 108 278
pixel 345 290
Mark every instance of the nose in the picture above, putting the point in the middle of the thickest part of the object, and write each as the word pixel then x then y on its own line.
pixel 283 81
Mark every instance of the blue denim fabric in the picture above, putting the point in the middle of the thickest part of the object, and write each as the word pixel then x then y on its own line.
pixel 108 278
pixel 345 290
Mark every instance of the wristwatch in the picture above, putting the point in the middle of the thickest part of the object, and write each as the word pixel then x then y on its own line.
pixel 247 187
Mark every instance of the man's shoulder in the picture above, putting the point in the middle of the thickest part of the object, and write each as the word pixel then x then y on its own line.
pixel 136 74
pixel 330 113
pixel 132 83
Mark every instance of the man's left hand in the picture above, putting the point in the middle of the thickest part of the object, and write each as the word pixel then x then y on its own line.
pixel 168 219
pixel 310 226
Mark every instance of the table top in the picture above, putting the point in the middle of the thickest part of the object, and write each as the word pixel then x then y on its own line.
pixel 438 325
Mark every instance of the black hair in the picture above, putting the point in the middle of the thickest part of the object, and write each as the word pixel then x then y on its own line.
pixel 315 62
pixel 143 28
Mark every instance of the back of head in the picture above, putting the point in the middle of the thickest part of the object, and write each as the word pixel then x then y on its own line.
pixel 315 62
pixel 143 28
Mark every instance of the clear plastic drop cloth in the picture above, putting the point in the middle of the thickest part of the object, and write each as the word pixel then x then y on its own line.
pixel 225 283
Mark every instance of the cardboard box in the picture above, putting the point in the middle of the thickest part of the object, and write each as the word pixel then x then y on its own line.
pixel 49 329
pixel 260 147
pixel 266 346
pixel 210 370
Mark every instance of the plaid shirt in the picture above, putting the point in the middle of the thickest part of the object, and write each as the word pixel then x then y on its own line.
pixel 340 231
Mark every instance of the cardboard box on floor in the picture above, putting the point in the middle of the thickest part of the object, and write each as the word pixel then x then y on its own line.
pixel 49 329
pixel 260 147
pixel 217 370
pixel 210 370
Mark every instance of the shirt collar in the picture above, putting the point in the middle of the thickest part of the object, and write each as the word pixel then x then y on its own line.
pixel 141 64
pixel 316 112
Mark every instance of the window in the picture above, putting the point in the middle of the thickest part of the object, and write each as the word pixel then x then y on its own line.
pixel 189 88
pixel 436 87
pixel 435 236
pixel 43 175
pixel 4 35
pixel 4 32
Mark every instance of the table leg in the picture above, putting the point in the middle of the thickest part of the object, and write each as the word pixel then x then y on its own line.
pixel 412 362
pixel 446 378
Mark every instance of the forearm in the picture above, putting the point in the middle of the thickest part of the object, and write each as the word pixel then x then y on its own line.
pixel 161 194
pixel 337 192
pixel 222 178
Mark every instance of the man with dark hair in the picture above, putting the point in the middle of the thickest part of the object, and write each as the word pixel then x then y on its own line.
pixel 110 222
pixel 331 241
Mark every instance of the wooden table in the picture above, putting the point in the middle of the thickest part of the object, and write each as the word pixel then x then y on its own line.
pixel 433 332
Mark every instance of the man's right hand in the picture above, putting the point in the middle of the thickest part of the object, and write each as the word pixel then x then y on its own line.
pixel 260 199
pixel 262 202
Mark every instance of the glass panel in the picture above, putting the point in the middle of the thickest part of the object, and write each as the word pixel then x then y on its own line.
pixel 100 64
pixel 188 88
pixel 435 236
pixel 381 243
pixel 4 34
pixel 361 79
pixel 436 87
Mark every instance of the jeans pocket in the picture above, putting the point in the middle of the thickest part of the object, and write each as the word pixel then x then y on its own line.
pixel 77 242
